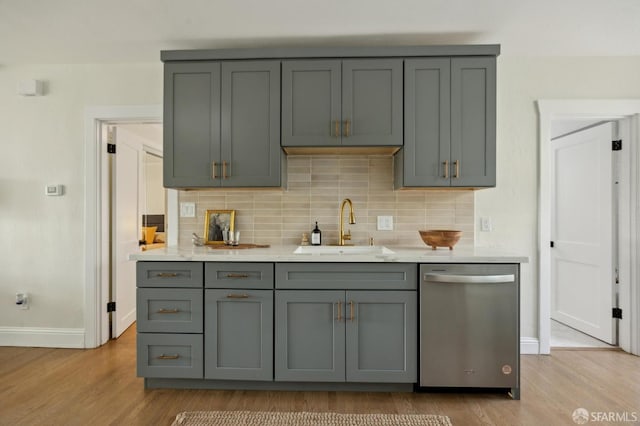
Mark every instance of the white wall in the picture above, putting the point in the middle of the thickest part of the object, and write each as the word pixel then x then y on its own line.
pixel 41 238
pixel 513 203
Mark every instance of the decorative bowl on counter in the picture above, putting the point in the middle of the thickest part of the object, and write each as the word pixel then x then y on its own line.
pixel 440 238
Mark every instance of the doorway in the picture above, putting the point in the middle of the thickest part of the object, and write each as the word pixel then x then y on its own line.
pixel 629 266
pixel 135 211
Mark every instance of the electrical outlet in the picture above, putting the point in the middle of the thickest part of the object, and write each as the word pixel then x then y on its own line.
pixel 485 224
pixel 187 209
pixel 385 223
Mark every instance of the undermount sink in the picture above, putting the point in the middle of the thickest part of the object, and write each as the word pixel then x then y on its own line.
pixel 370 250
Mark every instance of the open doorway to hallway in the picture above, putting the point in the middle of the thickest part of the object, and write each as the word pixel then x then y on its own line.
pixel 134 212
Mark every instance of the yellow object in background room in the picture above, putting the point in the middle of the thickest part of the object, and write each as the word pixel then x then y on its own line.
pixel 149 233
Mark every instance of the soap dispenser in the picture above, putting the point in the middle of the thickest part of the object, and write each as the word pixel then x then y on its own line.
pixel 316 236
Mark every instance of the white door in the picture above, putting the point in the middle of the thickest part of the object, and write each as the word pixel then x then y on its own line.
pixel 125 234
pixel 582 277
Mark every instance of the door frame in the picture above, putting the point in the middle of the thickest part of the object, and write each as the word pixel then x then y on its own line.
pixel 96 233
pixel 611 109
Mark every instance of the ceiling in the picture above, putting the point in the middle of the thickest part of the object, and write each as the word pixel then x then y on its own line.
pixel 92 31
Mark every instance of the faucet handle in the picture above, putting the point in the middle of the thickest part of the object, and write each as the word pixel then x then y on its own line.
pixel 347 235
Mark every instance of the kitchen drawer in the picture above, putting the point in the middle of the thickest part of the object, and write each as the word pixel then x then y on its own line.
pixel 347 276
pixel 168 310
pixel 170 355
pixel 169 274
pixel 238 275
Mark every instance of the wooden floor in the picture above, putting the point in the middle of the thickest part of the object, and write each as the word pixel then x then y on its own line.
pixel 43 386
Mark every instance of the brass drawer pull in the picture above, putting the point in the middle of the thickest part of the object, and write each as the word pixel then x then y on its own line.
pixel 224 170
pixel 351 310
pixel 347 128
pixel 457 166
pixel 237 275
pixel 214 170
pixel 237 296
pixel 446 169
pixel 166 275
pixel 168 311
pixel 337 129
pixel 339 310
pixel 163 356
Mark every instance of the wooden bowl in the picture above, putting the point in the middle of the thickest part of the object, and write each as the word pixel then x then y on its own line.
pixel 440 238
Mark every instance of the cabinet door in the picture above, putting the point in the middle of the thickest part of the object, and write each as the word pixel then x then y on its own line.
pixel 309 337
pixel 250 152
pixel 473 121
pixel 191 124
pixel 311 93
pixel 238 334
pixel 372 102
pixel 425 157
pixel 381 336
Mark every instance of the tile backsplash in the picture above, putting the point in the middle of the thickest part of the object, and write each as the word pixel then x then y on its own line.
pixel 316 186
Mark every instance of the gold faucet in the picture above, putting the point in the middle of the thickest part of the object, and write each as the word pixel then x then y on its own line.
pixel 352 221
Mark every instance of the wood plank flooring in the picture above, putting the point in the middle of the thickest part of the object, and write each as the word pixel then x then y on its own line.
pixel 94 387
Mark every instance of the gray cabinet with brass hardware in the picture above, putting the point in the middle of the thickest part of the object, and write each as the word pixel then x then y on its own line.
pixel 450 123
pixel 350 102
pixel 239 334
pixel 238 275
pixel 173 355
pixel 169 319
pixel 238 327
pixel 222 124
pixel 169 310
pixel 329 327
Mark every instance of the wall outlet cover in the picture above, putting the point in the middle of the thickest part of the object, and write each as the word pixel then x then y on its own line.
pixel 187 209
pixel 385 223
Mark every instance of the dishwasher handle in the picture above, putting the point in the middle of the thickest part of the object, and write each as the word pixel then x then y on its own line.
pixel 470 279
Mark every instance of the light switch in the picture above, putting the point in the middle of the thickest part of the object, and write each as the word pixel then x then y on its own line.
pixel 385 223
pixel 187 209
pixel 485 224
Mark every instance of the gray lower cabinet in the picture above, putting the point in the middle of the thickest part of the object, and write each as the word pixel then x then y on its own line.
pixel 449 123
pixel 353 336
pixel 222 124
pixel 238 334
pixel 351 102
pixel 169 320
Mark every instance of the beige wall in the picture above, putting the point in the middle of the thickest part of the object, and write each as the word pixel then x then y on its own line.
pixel 316 187
pixel 41 238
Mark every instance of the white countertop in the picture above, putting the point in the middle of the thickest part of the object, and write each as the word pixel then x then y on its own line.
pixel 285 254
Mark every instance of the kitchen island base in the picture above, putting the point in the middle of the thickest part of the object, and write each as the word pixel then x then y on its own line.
pixel 158 383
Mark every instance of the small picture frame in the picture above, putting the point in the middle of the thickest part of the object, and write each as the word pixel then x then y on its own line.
pixel 216 221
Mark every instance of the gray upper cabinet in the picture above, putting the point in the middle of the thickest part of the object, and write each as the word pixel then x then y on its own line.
pixel 450 123
pixel 356 102
pixel 222 124
pixel 191 123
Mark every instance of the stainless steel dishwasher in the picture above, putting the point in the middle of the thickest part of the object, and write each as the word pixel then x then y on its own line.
pixel 469 326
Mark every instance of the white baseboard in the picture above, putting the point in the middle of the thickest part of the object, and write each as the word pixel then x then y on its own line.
pixel 529 346
pixel 42 337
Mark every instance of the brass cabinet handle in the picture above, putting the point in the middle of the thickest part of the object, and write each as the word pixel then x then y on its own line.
pixel 237 275
pixel 446 169
pixel 166 275
pixel 347 128
pixel 337 129
pixel 168 311
pixel 163 356
pixel 237 296
pixel 351 309
pixel 214 170
pixel 457 166
pixel 339 310
pixel 224 170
